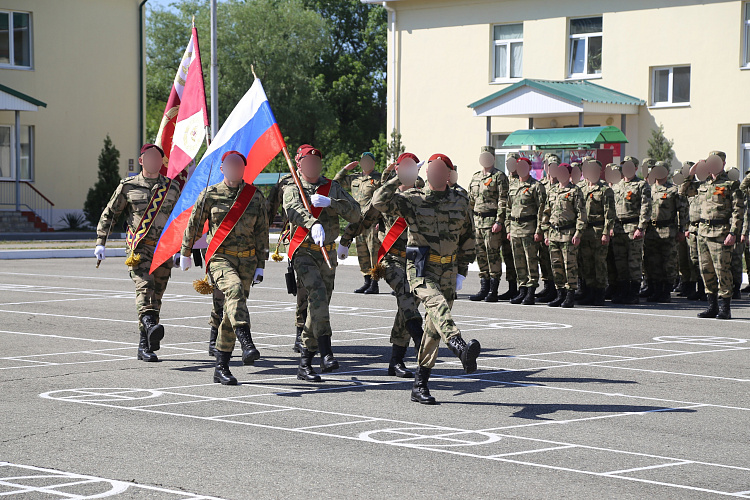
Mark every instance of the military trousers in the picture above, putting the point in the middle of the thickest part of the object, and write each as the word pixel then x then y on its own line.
pixel 234 277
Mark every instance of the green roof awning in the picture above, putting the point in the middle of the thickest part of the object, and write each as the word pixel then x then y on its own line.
pixel 20 95
pixel 566 138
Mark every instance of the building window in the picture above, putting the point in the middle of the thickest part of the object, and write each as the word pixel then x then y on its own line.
pixel 670 86
pixel 8 153
pixel 15 39
pixel 585 47
pixel 745 149
pixel 746 35
pixel 507 51
pixel 501 153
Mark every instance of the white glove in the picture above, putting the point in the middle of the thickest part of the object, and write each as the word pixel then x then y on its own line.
pixel 185 262
pixel 318 234
pixel 99 252
pixel 258 276
pixel 343 252
pixel 459 282
pixel 318 200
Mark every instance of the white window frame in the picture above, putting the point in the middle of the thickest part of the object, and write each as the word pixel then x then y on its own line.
pixel 508 43
pixel 670 87
pixel 745 35
pixel 29 158
pixel 501 153
pixel 585 75
pixel 11 41
pixel 744 146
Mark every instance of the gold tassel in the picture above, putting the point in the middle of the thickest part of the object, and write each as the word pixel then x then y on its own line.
pixel 276 257
pixel 378 271
pixel 133 259
pixel 203 286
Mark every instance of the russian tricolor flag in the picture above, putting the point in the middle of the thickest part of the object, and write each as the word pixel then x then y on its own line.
pixel 251 129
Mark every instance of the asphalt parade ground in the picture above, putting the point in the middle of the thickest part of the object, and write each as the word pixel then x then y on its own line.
pixel 618 402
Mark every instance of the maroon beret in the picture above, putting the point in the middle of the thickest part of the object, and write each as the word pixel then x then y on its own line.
pixel 523 158
pixel 403 156
pixel 445 159
pixel 244 160
pixel 146 147
pixel 307 150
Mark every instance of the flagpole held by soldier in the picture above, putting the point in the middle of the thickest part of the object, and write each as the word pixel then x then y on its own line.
pixel 146 199
pixel 439 249
pixel 237 251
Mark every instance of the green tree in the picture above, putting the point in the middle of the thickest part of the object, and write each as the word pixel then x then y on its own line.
pixel 659 147
pixel 109 178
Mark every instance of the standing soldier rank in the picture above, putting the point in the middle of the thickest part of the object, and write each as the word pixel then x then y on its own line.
pixel 362 186
pixel 312 234
pixel 488 198
pixel 236 255
pixel 147 200
pixel 439 251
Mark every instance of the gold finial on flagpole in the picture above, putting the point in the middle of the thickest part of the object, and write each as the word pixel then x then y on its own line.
pixel 252 69
pixel 193 21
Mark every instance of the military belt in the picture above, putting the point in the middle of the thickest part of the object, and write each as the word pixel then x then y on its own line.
pixel 315 247
pixel 397 252
pixel 715 222
pixel 663 223
pixel 491 213
pixel 525 218
pixel 563 227
pixel 596 222
pixel 245 253
pixel 151 243
pixel 628 220
pixel 694 223
pixel 437 259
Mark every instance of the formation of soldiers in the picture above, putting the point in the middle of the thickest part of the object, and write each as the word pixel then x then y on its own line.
pixel 589 236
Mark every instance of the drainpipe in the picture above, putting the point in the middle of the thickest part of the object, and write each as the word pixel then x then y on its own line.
pixel 141 75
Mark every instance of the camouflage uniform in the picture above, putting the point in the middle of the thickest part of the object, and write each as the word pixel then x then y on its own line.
pixel 309 264
pixel 600 214
pixel 232 266
pixel 526 201
pixel 362 186
pixel 669 217
pixel 488 196
pixel 689 190
pixel 564 218
pixel 633 207
pixel 545 262
pixel 132 196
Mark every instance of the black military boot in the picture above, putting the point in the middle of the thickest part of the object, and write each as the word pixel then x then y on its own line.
pixel 222 375
pixel 747 288
pixel 249 353
pixel 582 290
pixel 632 297
pixel 368 282
pixel 522 291
pixel 298 340
pixel 548 292
pixel 588 297
pixel 327 362
pixel 154 331
pixel 144 353
pixel 559 299
pixel 737 295
pixel 598 296
pixel 647 288
pixel 512 291
pixel 529 299
pixel 609 291
pixel 684 288
pixel 212 341
pixel 419 392
pixel 467 353
pixel 492 296
pixel 484 290
pixel 690 291
pixel 701 291
pixel 373 289
pixel 656 292
pixel 396 367
pixel 414 327
pixel 713 307
pixel 665 297
pixel 570 300
pixel 305 371
pixel 724 309
pixel 620 292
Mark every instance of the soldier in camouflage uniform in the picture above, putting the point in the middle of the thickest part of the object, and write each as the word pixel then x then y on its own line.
pixel 689 190
pixel 599 201
pixel 563 222
pixel 526 201
pixel 722 210
pixel 548 292
pixel 440 249
pixel 362 185
pixel 275 198
pixel 239 260
pixel 133 197
pixel 308 261
pixel 633 206
pixel 488 197
pixel 408 322
pixel 666 228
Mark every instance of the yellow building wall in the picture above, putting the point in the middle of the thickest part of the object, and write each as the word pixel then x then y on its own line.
pixel 85 67
pixel 444 62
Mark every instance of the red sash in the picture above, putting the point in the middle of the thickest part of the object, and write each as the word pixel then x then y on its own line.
pixel 301 233
pixel 231 218
pixel 394 233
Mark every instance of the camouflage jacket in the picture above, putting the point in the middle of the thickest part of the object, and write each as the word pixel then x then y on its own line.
pixel 342 204
pixel 564 213
pixel 488 197
pixel 132 197
pixel 632 203
pixel 440 220
pixel 600 206
pixel 249 233
pixel 361 186
pixel 722 207
pixel 689 190
pixel 526 200
pixel 276 197
pixel 669 212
